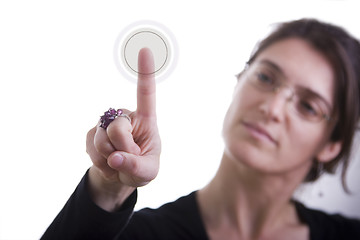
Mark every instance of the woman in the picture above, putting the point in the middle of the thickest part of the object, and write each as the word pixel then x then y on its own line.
pixel 293 116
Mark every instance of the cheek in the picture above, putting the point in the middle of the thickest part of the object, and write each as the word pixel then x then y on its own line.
pixel 238 145
pixel 242 101
pixel 302 143
pixel 245 104
pixel 233 114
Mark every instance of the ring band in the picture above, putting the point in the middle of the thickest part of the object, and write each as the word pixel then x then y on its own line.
pixel 125 116
pixel 110 115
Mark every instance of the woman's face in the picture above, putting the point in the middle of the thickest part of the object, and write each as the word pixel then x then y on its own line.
pixel 284 129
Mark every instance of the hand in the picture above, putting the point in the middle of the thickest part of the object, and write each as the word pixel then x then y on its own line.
pixel 126 155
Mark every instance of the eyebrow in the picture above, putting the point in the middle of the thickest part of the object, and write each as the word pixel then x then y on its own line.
pixel 273 65
pixel 279 70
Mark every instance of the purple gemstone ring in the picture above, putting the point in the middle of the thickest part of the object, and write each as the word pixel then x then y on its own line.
pixel 110 115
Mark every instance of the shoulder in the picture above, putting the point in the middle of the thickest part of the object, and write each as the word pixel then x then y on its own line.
pixel 179 219
pixel 328 226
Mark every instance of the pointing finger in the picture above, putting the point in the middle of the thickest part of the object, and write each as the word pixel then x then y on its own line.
pixel 146 87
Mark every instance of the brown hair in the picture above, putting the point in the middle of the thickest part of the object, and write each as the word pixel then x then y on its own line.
pixel 343 52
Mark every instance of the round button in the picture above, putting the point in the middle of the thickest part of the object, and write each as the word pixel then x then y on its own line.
pixel 150 35
pixel 145 38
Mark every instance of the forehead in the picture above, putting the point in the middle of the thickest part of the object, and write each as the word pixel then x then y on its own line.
pixel 302 65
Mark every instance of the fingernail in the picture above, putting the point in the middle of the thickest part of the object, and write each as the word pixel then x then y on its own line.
pixel 117 160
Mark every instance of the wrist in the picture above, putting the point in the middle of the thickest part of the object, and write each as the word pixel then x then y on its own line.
pixel 108 195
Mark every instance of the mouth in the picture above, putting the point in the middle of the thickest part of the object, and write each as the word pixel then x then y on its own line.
pixel 259 132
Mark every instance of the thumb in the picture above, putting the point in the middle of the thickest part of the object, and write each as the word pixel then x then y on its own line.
pixel 141 169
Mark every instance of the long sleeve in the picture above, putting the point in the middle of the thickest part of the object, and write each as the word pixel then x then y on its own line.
pixel 80 218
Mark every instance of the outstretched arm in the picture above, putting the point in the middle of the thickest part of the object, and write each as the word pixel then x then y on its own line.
pixel 125 156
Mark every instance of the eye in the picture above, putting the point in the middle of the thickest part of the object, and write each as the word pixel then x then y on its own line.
pixel 307 108
pixel 264 79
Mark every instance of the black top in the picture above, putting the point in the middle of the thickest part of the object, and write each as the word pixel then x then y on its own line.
pixel 82 219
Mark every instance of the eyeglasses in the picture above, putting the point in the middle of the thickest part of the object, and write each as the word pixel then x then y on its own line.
pixel 302 101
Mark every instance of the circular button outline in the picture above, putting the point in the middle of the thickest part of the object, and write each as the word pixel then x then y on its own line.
pixel 155 26
pixel 140 31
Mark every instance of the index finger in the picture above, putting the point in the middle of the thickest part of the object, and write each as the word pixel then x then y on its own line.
pixel 146 87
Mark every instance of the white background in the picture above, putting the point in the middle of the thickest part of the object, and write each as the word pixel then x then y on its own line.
pixel 58 76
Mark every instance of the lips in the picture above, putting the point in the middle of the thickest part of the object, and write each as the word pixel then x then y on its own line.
pixel 259 131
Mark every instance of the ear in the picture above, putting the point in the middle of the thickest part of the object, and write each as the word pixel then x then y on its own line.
pixel 329 152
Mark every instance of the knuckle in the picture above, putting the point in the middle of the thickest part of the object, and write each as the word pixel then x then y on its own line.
pixel 97 145
pixel 103 147
pixel 90 134
pixel 120 136
pixel 118 127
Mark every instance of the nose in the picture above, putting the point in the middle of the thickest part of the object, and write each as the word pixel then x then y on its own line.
pixel 274 104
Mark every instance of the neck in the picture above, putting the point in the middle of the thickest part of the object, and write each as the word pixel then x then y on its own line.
pixel 250 202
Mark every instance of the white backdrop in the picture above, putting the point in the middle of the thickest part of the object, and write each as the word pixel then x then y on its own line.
pixel 58 76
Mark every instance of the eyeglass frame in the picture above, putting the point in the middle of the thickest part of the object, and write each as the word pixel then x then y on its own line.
pixel 283 84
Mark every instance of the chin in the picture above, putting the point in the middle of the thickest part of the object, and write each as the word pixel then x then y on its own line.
pixel 242 149
pixel 246 153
